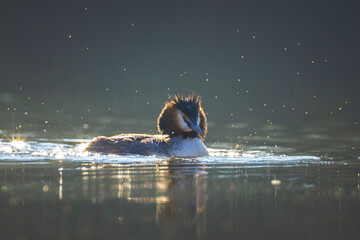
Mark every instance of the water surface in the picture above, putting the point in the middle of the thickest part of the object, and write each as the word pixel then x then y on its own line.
pixel 278 183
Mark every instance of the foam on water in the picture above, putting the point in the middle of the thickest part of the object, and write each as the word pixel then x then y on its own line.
pixel 44 150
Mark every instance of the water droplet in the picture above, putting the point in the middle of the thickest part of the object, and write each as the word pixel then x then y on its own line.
pixel 45 188
pixel 275 182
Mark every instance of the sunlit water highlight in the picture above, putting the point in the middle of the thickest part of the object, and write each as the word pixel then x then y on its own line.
pixel 38 150
pixel 288 186
pixel 284 183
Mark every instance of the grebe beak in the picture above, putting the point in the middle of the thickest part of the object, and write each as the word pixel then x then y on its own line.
pixel 196 128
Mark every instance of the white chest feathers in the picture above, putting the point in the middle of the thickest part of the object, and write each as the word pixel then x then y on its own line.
pixel 189 147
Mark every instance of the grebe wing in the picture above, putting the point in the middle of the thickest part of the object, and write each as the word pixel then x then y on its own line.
pixel 141 144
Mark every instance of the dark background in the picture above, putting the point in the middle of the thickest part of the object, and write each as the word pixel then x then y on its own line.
pixel 122 58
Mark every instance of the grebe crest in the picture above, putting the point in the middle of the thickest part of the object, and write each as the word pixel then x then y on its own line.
pixel 183 116
pixel 182 124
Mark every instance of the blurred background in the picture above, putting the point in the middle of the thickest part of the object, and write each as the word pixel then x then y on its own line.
pixel 105 67
pixel 280 86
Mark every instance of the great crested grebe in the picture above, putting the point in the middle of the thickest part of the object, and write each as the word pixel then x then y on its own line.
pixel 182 124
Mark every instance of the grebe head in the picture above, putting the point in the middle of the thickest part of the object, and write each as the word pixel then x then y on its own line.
pixel 183 116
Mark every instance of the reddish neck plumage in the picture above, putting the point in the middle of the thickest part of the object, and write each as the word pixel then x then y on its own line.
pixel 168 122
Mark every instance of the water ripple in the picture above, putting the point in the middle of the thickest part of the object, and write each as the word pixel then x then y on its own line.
pixel 72 150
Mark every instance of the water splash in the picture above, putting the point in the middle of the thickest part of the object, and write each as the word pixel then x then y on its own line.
pixel 18 144
pixel 73 150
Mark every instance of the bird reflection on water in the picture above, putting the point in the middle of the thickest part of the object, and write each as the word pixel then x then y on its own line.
pixel 176 187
